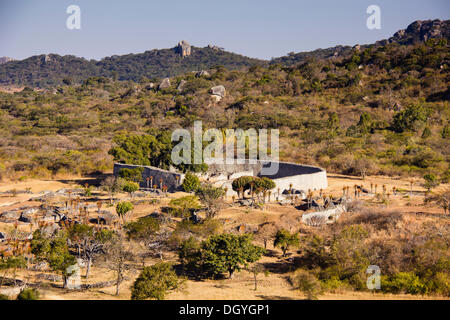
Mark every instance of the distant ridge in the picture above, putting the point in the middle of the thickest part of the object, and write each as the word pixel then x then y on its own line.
pixel 5 60
pixel 52 69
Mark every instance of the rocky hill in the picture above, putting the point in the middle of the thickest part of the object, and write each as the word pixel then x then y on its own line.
pixel 52 69
pixel 5 60
pixel 416 32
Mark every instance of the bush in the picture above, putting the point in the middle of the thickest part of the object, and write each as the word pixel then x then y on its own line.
pixel 403 282
pixel 4 297
pixel 285 240
pixel 29 294
pixel 431 181
pixel 191 182
pixel 184 206
pixel 227 253
pixel 308 284
pixel 123 208
pixel 130 187
pixel 410 118
pixel 154 282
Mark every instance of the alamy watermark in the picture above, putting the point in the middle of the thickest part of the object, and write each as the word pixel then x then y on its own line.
pixel 74 20
pixel 374 20
pixel 374 280
pixel 237 143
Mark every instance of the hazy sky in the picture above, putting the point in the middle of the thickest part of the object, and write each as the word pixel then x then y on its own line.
pixel 255 28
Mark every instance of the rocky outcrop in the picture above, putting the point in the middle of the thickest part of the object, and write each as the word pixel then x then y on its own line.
pixel 202 73
pixel 5 60
pixel 164 84
pixel 181 85
pixel 218 92
pixel 422 30
pixel 184 48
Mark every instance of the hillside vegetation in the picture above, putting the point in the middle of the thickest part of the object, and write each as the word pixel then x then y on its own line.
pixel 378 110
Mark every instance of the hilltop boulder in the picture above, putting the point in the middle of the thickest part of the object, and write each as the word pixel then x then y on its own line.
pixel 218 92
pixel 184 48
pixel 165 83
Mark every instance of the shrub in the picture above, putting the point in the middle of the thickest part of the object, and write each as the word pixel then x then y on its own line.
pixel 182 207
pixel 308 284
pixel 29 294
pixel 431 181
pixel 130 187
pixel 227 253
pixel 154 282
pixel 285 240
pixel 123 208
pixel 410 118
pixel 191 182
pixel 403 282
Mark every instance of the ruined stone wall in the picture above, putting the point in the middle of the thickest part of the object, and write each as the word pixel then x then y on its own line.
pixel 302 177
pixel 168 178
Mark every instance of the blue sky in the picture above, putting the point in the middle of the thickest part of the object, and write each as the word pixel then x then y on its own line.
pixel 255 28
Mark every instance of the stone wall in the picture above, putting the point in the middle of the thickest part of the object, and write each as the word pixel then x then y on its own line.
pixel 169 178
pixel 302 177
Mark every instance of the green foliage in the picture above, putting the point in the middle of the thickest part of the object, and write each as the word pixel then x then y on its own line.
pixel 191 182
pixel 123 208
pixel 18 262
pixel 54 251
pixel 245 183
pixel 131 174
pixel 3 297
pixel 227 253
pixel 426 133
pixel 183 207
pixel 154 282
pixel 153 149
pixel 285 240
pixel 29 294
pixel 431 181
pixel 410 118
pixel 403 282
pixel 446 131
pixel 211 197
pixel 130 187
pixel 142 229
pixel 189 254
pixel 308 284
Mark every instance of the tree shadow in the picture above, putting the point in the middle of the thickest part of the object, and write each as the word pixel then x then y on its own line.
pixel 92 180
pixel 279 267
pixel 265 297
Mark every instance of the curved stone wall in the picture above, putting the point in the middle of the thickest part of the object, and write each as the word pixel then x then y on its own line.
pixel 302 177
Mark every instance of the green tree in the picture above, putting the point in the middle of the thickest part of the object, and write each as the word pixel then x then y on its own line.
pixel 212 198
pixel 29 294
pixel 285 240
pixel 154 282
pixel 55 252
pixel 426 133
pixel 308 284
pixel 123 208
pixel 183 206
pixel 90 241
pixel 431 181
pixel 410 118
pixel 130 187
pixel 191 182
pixel 227 253
pixel 142 229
